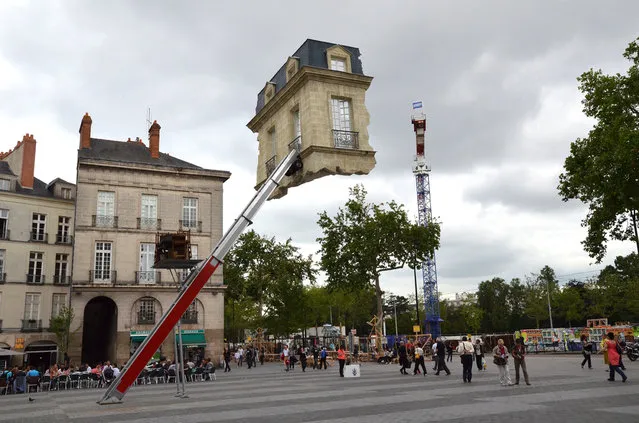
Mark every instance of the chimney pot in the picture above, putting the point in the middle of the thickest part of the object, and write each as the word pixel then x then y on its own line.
pixel 85 131
pixel 154 140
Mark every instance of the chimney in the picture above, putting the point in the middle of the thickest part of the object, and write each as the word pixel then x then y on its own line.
pixel 85 131
pixel 154 140
pixel 28 161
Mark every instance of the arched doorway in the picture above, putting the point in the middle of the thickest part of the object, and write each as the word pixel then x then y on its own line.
pixel 99 333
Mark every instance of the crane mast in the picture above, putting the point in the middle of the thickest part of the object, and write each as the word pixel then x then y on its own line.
pixel 425 216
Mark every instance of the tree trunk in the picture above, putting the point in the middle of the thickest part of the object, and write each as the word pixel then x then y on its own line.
pixel 380 314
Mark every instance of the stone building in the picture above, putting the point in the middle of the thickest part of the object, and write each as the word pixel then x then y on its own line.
pixel 126 193
pixel 316 101
pixel 36 233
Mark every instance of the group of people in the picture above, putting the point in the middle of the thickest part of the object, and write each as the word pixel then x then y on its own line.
pixel 612 349
pixel 250 356
pixel 469 354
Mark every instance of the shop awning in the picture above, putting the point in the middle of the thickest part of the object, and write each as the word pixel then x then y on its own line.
pixel 193 338
pixel 139 335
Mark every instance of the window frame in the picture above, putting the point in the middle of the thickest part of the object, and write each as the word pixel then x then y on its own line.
pixel 38 227
pixel 105 267
pixel 29 316
pixel 5 182
pixel 61 270
pixel 146 275
pixel 56 307
pixel 186 208
pixel 4 233
pixel 35 267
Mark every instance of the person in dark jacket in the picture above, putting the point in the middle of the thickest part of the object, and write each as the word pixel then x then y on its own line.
pixel 441 358
pixel 403 358
pixel 227 360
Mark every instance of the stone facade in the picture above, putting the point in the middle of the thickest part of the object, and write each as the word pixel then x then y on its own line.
pixel 303 109
pixel 129 171
pixel 35 258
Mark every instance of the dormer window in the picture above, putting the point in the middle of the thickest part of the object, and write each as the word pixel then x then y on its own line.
pixel 66 193
pixel 5 185
pixel 292 66
pixel 269 92
pixel 338 64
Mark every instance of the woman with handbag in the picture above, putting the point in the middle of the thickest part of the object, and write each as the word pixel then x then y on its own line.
pixel 500 358
pixel 614 353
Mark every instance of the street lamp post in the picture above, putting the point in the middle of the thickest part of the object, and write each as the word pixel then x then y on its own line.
pixel 394 298
pixel 419 322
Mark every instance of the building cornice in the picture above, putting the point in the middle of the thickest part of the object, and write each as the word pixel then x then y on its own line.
pixel 38 198
pixel 204 173
pixel 305 74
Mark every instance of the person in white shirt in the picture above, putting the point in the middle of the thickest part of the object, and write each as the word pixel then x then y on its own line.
pixel 116 371
pixel 419 359
pixel 435 367
pixel 465 350
pixel 286 354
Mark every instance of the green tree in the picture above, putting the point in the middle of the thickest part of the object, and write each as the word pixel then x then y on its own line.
pixel 60 326
pixel 264 281
pixel 492 298
pixel 602 169
pixel 471 313
pixel 540 287
pixel 363 240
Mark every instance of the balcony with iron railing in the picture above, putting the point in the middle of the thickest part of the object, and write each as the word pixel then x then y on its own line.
pixel 191 225
pixel 29 325
pixel 3 278
pixel 146 318
pixel 5 235
pixel 100 221
pixel 103 276
pixel 296 144
pixel 189 317
pixel 345 139
pixel 148 277
pixel 39 236
pixel 151 224
pixel 64 239
pixel 61 280
pixel 35 279
pixel 270 165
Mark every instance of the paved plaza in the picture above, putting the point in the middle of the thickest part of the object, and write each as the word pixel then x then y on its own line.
pixel 561 392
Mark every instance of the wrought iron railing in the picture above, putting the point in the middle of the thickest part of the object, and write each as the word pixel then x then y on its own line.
pixel 39 236
pixel 29 325
pixel 61 238
pixel 147 276
pixel 61 280
pixel 271 164
pixel 296 144
pixel 146 318
pixel 101 221
pixel 35 278
pixel 103 276
pixel 5 235
pixel 149 223
pixel 189 317
pixel 346 139
pixel 191 224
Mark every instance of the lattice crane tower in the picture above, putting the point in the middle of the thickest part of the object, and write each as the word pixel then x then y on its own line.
pixel 425 216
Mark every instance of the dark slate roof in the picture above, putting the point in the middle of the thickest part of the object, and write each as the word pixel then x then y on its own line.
pixel 5 169
pixel 58 181
pixel 40 189
pixel 312 53
pixel 129 152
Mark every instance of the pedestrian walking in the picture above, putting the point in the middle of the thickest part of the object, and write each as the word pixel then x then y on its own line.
pixel 419 359
pixel 441 358
pixel 586 350
pixel 465 350
pixel 621 345
pixel 434 354
pixel 323 355
pixel 262 356
pixel 449 351
pixel 303 358
pixel 315 357
pixel 519 356
pixel 227 360
pixel 403 358
pixel 500 358
pixel 286 357
pixel 614 353
pixel 479 355
pixel 341 357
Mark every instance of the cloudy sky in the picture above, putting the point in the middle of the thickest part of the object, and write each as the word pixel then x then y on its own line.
pixel 497 78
